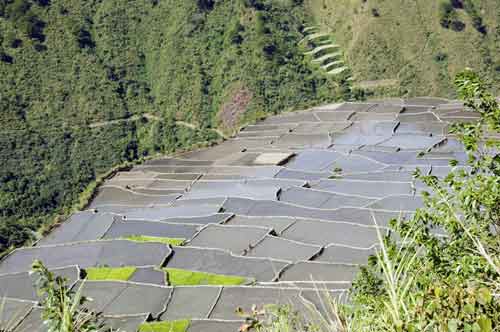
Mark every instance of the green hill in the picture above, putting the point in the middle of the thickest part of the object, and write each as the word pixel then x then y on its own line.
pixel 86 85
pixel 414 47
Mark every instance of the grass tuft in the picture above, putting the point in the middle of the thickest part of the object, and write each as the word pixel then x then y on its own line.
pixel 167 326
pixel 164 240
pixel 180 277
pixel 110 273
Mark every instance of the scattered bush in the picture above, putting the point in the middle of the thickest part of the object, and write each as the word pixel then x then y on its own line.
pixel 206 4
pixel 459 4
pixel 449 20
pixel 16 43
pixel 257 4
pixel 440 57
pixel 42 3
pixel 447 16
pixel 84 39
pixel 4 57
pixel 63 309
pixel 457 26
pixel 477 20
pixel 234 33
pixel 19 12
pixel 39 47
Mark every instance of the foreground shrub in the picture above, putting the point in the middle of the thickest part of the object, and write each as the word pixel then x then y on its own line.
pixel 63 308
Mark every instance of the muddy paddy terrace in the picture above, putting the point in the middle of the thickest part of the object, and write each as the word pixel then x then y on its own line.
pixel 265 217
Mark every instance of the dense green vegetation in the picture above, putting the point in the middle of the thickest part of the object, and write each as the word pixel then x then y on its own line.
pixel 86 85
pixel 413 48
pixel 449 17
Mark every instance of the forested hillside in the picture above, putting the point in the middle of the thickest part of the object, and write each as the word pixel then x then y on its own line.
pixel 162 71
pixel 412 47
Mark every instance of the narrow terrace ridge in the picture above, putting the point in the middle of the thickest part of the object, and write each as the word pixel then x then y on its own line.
pixel 254 220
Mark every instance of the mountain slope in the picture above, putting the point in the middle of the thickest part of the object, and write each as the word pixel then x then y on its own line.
pixel 414 47
pixel 86 85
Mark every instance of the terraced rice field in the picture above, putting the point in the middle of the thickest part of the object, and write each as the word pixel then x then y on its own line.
pixel 259 219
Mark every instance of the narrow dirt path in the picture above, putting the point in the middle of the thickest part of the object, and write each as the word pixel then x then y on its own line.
pixel 151 117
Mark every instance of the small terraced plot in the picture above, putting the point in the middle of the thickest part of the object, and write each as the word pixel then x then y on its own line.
pixel 167 326
pixel 293 201
pixel 180 277
pixel 109 273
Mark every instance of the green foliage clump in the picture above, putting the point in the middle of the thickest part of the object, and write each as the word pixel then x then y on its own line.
pixel 449 17
pixel 180 277
pixel 63 308
pixel 110 273
pixel 20 13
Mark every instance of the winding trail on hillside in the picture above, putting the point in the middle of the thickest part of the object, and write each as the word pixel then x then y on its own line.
pixel 152 117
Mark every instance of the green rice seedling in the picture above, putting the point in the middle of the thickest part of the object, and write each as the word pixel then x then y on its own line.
pixel 165 326
pixel 109 273
pixel 180 277
pixel 165 240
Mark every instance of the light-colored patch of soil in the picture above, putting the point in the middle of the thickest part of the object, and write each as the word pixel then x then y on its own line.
pixel 233 109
